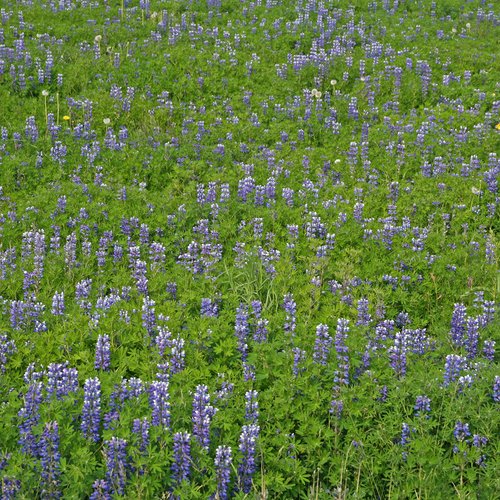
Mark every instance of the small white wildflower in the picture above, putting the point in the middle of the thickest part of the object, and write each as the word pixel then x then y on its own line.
pixel 475 190
pixel 333 82
pixel 45 93
pixel 106 121
pixel 98 38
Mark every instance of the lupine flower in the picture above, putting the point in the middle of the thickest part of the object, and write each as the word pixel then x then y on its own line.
pixel 115 450
pixel 461 433
pixel 336 408
pixel 58 304
pixel 248 466
pixel 10 488
pixel 242 330
pixel 203 413
pixel 405 438
pixel 291 310
pixel 364 317
pixel 488 350
pixel 496 389
pixel 251 407
pixel 479 442
pixel 102 353
pixel 100 490
pixel 422 406
pixel 397 355
pixel 140 427
pixel 209 308
pixel 159 397
pixel 177 359
pixel 472 337
pixel 7 348
pixel 223 460
pixel 50 461
pixel 181 465
pixel 342 372
pixel 453 366
pixel 149 316
pixel 322 345
pixel 298 356
pixel 91 412
pixel 61 380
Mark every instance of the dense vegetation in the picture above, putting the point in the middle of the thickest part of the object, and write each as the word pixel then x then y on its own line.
pixel 249 249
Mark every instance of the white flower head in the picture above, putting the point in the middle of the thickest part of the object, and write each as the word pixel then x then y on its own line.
pixel 106 121
pixel 333 82
pixel 98 38
pixel 45 93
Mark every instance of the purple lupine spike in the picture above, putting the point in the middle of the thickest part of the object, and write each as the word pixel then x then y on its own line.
pixel 30 417
pixel 7 348
pixel 496 389
pixel 102 353
pixel 248 371
pixel 61 380
pixel 223 461
pixel 461 433
pixel 58 304
pixel 209 308
pixel 397 355
pixel 100 490
pixel 364 317
pixel 422 406
pixel 488 350
pixel 163 339
pixel 322 345
pixel 342 372
pixel 181 466
pixel 149 316
pixel 50 461
pixel 251 407
pixel 472 337
pixel 242 330
pixel 91 412
pixel 299 355
pixel 290 307
pixel 140 427
pixel 177 356
pixel 405 438
pixel 261 331
pixel 115 451
pixel 454 364
pixel 248 438
pixel 159 400
pixel 10 488
pixel 336 408
pixel 202 415
pixel 458 321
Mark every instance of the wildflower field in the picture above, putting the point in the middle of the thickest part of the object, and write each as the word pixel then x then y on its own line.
pixel 249 249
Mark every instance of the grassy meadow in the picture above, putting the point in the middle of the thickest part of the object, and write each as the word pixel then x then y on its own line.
pixel 249 249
